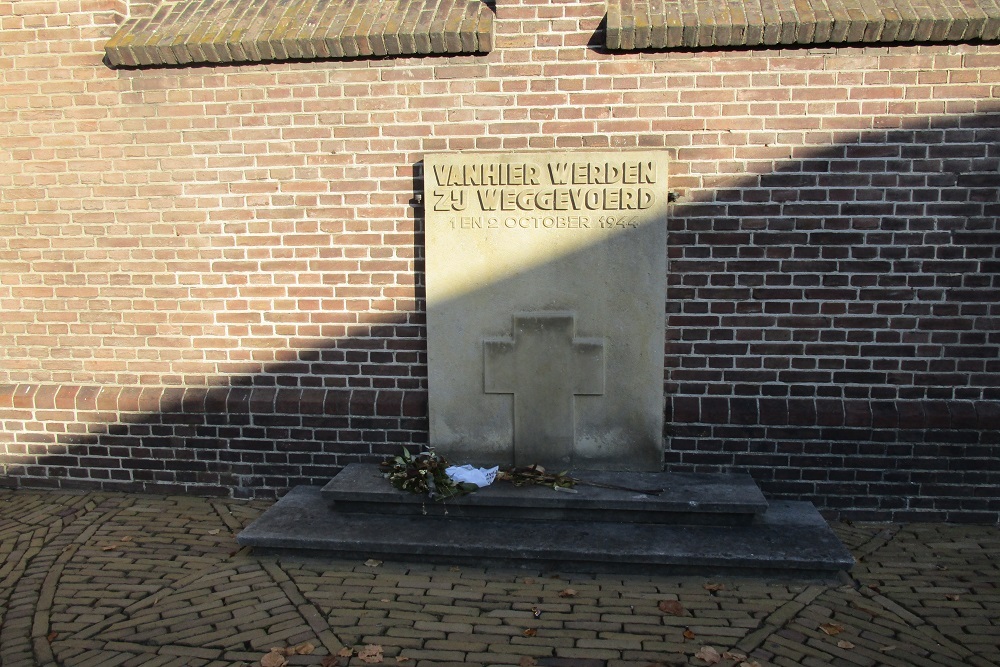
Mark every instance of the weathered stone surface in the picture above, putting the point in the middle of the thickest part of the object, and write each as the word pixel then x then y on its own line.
pixel 545 288
pixel 212 31
pixel 790 540
pixel 685 498
pixel 636 24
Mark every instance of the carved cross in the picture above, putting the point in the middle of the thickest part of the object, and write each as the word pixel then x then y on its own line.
pixel 544 366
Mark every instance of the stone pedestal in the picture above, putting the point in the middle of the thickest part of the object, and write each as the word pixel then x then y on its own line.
pixel 702 524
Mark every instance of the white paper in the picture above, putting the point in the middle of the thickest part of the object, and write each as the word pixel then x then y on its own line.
pixel 470 475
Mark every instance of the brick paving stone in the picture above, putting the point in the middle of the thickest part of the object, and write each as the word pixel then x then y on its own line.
pixel 180 593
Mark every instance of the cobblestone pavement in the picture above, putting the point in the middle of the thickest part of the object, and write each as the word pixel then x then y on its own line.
pixel 98 579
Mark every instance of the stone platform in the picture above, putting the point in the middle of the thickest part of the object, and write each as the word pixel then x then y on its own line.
pixel 785 539
pixel 693 499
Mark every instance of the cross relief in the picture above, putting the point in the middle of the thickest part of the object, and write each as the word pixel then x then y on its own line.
pixel 544 365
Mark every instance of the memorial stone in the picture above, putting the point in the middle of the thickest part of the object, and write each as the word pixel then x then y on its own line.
pixel 545 276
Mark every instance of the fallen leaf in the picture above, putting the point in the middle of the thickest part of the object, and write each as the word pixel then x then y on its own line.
pixel 273 659
pixel 371 653
pixel 214 531
pixel 304 649
pixel 750 664
pixel 567 593
pixel 672 607
pixel 733 655
pixel 453 568
pixel 527 661
pixel 832 628
pixel 688 634
pixel 886 649
pixel 51 637
pixel 529 580
pixel 345 652
pixel 127 538
pixel 371 562
pixel 330 661
pixel 843 643
pixel 530 632
pixel 110 547
pixel 536 612
pixel 714 587
pixel 953 597
pixel 400 659
pixel 708 654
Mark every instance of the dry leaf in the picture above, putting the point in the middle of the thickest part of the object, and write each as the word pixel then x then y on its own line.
pixel 733 655
pixel 304 649
pixel 750 664
pixel 127 538
pixel 273 659
pixel 371 654
pixel 567 593
pixel 51 637
pixel 843 643
pixel 529 580
pixel 708 654
pixel 688 634
pixel 832 628
pixel 527 661
pixel 215 531
pixel 400 659
pixel 536 612
pixel 714 587
pixel 330 661
pixel 672 607
pixel 345 652
pixel 110 547
pixel 371 562
pixel 530 632
pixel 886 649
pixel 953 597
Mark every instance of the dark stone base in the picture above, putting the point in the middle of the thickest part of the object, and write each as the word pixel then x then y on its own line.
pixel 790 540
pixel 692 499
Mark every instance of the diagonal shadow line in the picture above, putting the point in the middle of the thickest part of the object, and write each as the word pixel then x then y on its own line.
pixel 935 157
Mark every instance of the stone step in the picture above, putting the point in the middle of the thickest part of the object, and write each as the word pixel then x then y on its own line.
pixel 790 540
pixel 694 499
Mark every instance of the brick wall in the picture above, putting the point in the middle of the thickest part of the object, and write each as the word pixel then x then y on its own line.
pixel 210 278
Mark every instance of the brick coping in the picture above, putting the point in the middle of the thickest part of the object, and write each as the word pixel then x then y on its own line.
pixel 669 24
pixel 189 32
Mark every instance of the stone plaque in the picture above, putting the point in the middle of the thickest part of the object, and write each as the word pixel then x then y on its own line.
pixel 546 280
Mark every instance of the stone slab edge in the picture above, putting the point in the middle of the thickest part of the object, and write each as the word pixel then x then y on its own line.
pixel 662 24
pixel 189 32
pixel 682 492
pixel 791 539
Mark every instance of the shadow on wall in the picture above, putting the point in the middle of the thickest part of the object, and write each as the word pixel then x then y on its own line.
pixel 832 327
